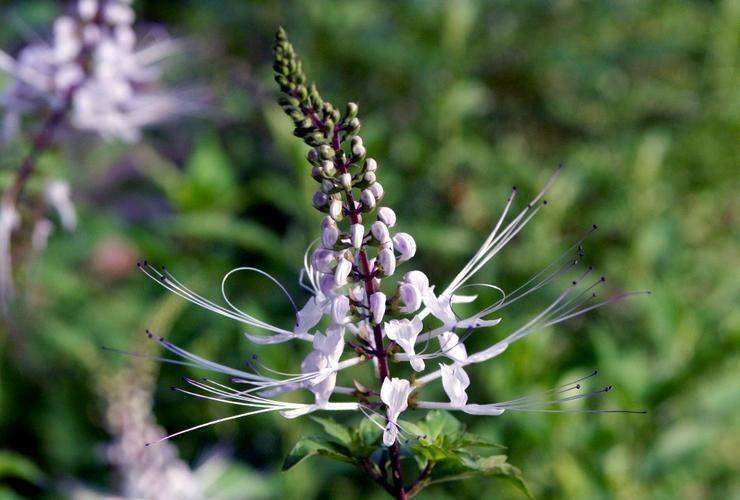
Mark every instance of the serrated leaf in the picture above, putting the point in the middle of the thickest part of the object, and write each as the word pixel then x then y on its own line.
pixel 314 446
pixel 335 430
pixel 473 440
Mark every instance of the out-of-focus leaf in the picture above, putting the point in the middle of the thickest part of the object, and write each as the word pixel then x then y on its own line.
pixel 314 446
pixel 456 469
pixel 15 465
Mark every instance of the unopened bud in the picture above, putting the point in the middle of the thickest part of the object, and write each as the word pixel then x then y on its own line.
pixel 410 298
pixel 329 233
pixel 369 177
pixel 341 273
pixel 346 180
pixel 377 190
pixel 387 261
pixel 351 111
pixel 405 245
pixel 368 199
pixel 371 165
pixel 320 200
pixel 323 259
pixel 380 232
pixel 326 152
pixel 328 167
pixel 340 309
pixel 335 209
pixel 359 150
pixel 377 307
pixel 387 216
pixel 357 233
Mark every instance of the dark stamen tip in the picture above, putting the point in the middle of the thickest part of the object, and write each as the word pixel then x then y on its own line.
pixel 602 279
pixel 513 188
pixel 544 202
pixel 146 262
pixel 147 444
pixel 173 388
pixel 590 268
pixel 595 226
pixel 574 282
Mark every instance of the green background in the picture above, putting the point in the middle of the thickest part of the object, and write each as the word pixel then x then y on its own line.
pixel 459 100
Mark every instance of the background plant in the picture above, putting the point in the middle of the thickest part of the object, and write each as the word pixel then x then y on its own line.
pixel 464 100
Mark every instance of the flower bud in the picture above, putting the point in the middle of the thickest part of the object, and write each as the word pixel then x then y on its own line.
pixel 405 246
pixel 344 267
pixel 326 284
pixel 329 234
pixel 353 125
pixel 418 279
pixel 340 309
pixel 380 232
pixel 351 110
pixel 326 152
pixel 346 180
pixel 410 298
pixel 387 261
pixel 320 200
pixel 356 141
pixel 357 232
pixel 369 177
pixel 371 165
pixel 357 293
pixel 387 216
pixel 328 167
pixel 335 209
pixel 368 199
pixel 358 151
pixel 312 155
pixel 377 307
pixel 322 259
pixel 377 189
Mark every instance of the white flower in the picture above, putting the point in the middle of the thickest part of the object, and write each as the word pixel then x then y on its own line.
pixel 94 72
pixel 405 245
pixel 57 194
pixel 387 216
pixel 404 332
pixel 309 316
pixel 439 307
pixel 450 345
pixel 395 394
pixel 377 306
pixel 455 381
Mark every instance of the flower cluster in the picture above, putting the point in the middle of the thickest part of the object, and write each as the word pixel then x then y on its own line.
pixel 355 303
pixel 92 69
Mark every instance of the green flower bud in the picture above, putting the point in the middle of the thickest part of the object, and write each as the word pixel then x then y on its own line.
pixel 326 152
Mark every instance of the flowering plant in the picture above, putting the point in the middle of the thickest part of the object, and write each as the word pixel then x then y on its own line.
pixel 356 308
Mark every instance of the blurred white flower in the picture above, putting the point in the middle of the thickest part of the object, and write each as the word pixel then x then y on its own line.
pixel 95 70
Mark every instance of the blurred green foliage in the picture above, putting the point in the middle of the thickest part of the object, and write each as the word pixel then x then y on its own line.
pixel 459 100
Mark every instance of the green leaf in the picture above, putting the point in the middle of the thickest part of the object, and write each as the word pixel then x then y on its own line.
pixel 314 446
pixel 439 424
pixel 335 430
pixel 15 465
pixel 365 437
pixel 461 467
